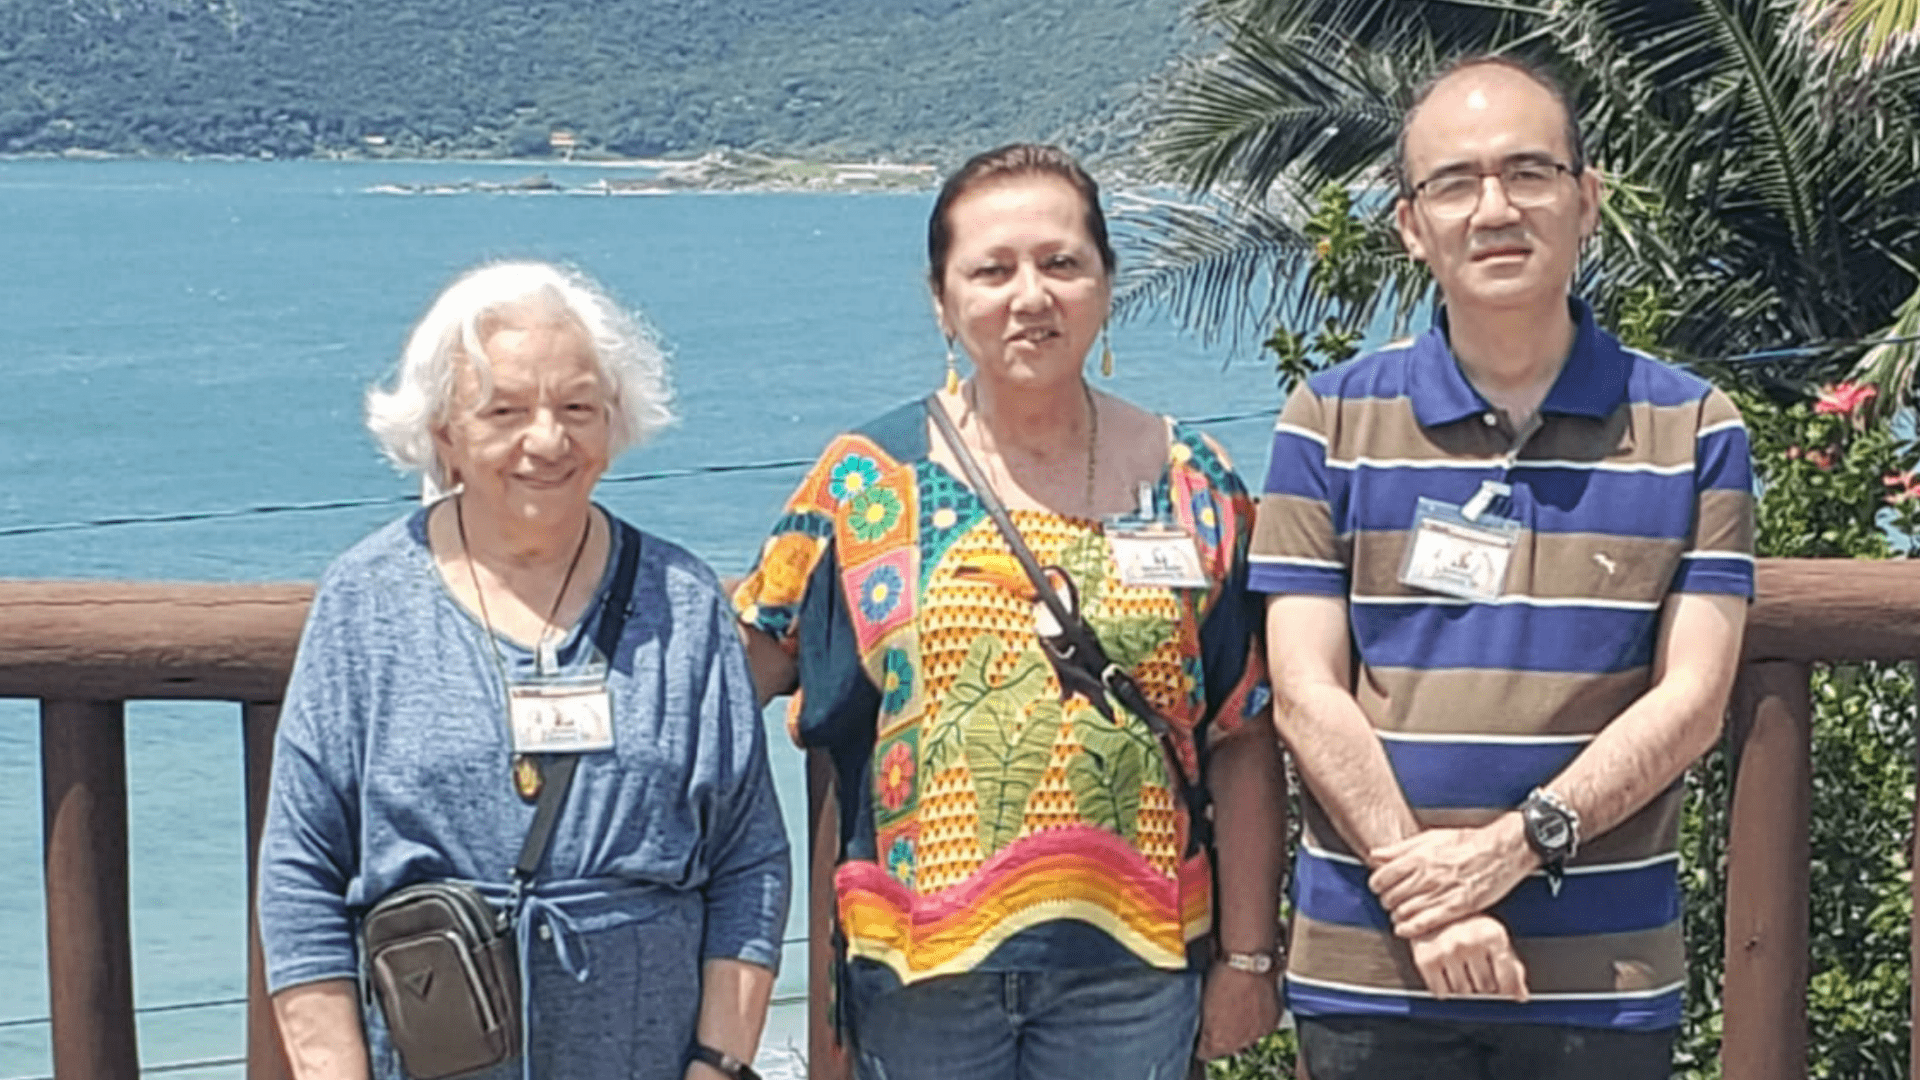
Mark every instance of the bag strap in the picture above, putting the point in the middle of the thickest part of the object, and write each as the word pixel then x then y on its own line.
pixel 1083 648
pixel 558 769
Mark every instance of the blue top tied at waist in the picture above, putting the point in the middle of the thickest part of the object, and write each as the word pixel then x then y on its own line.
pixel 569 910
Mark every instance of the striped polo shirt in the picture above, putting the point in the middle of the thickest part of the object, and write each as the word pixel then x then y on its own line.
pixel 1634 482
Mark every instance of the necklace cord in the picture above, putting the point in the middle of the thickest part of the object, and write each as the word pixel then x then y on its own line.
pixel 479 594
pixel 1093 436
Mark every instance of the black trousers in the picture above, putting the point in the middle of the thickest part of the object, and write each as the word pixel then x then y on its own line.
pixel 1396 1048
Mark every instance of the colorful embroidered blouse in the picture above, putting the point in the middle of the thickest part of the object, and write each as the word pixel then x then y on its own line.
pixel 989 819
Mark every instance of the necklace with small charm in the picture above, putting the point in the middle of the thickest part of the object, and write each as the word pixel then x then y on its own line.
pixel 542 715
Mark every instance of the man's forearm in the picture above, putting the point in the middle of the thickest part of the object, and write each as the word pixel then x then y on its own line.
pixel 1249 789
pixel 1647 747
pixel 1342 762
pixel 1638 756
pixel 1449 873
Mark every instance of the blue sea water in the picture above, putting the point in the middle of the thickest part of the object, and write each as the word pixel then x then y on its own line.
pixel 191 336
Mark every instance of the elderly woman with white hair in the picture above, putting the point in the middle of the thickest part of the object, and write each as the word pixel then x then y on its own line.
pixel 509 637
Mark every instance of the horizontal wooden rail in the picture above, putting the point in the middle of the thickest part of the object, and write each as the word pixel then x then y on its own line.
pixel 1811 610
pixel 114 640
pixel 82 648
pixel 99 640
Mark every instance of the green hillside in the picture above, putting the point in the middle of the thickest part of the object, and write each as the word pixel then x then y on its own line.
pixel 636 78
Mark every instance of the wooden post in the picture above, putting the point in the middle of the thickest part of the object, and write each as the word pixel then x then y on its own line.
pixel 826 1059
pixel 1767 874
pixel 83 769
pixel 266 1056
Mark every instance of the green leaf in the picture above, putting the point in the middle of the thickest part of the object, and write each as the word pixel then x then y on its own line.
pixel 1085 561
pixel 1004 729
pixel 1108 774
pixel 1131 639
pixel 1007 750
pixel 975 701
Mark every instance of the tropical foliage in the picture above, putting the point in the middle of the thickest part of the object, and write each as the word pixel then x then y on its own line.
pixel 1836 484
pixel 1864 32
pixel 1758 200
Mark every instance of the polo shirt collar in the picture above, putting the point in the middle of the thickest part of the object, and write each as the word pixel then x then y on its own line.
pixel 1592 383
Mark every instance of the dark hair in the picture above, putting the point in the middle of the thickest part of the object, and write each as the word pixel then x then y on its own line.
pixel 1005 163
pixel 1576 145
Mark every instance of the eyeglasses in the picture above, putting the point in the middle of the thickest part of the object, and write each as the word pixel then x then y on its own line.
pixel 1528 185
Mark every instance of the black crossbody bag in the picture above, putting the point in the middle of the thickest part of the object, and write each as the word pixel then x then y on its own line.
pixel 439 956
pixel 1076 642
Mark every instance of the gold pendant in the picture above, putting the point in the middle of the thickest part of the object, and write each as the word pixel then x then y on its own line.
pixel 527 778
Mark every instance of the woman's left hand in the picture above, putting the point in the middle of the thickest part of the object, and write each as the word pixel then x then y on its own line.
pixel 1237 1008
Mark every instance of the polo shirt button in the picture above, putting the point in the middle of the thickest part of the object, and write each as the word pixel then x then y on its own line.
pixel 1489 419
pixel 546 932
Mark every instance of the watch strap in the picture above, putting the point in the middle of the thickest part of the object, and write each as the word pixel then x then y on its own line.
pixel 1253 963
pixel 722 1061
pixel 1542 803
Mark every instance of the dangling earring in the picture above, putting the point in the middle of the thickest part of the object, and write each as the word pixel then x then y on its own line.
pixel 953 371
pixel 1106 354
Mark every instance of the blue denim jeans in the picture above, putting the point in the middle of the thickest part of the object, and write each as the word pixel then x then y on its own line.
pixel 1389 1048
pixel 1113 1024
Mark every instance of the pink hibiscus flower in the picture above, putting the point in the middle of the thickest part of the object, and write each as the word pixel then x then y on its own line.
pixel 1844 398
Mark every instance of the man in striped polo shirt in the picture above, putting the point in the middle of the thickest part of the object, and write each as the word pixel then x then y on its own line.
pixel 1508 567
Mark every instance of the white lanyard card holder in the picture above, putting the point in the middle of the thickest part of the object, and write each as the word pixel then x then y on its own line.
pixel 572 716
pixel 1151 551
pixel 1459 553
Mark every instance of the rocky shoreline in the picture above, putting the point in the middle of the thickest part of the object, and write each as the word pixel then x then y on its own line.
pixel 716 170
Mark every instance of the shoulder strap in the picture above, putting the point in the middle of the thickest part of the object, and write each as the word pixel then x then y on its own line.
pixel 558 770
pixel 1082 646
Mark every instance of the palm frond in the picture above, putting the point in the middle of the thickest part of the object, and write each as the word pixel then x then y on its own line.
pixel 1869 34
pixel 1229 269
pixel 1264 105
pixel 1892 366
pixel 1779 198
pixel 1210 264
pixel 1454 25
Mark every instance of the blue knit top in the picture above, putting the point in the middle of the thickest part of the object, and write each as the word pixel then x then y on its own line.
pixel 392 761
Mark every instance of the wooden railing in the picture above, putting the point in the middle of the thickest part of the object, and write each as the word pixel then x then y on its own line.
pixel 84 649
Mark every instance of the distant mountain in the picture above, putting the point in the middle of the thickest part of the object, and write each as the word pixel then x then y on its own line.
pixel 920 79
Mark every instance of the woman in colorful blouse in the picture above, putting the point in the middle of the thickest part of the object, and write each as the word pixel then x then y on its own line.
pixel 1021 891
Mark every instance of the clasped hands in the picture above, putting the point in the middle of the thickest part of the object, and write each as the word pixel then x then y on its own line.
pixel 1437 885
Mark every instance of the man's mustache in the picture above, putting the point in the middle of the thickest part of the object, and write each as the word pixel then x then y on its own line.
pixel 1495 239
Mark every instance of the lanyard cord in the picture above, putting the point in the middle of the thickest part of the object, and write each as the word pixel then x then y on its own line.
pixel 1503 487
pixel 499 659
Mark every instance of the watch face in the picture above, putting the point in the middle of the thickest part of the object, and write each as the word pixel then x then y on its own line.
pixel 1257 963
pixel 1548 830
pixel 1553 832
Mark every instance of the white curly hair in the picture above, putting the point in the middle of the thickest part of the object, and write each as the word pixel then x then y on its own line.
pixel 631 362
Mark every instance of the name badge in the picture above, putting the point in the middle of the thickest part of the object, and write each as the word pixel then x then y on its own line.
pixel 1457 555
pixel 1157 556
pixel 560 718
